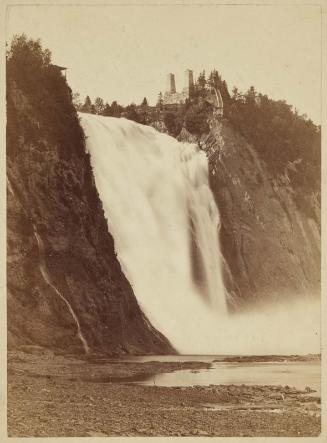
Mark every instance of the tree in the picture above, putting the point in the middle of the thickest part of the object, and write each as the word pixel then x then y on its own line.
pixel 214 79
pixel 25 56
pixel 107 110
pixel 224 90
pixel 171 124
pixel 77 101
pixel 196 118
pixel 235 93
pixel 201 82
pixel 116 109
pixel 160 100
pixel 87 106
pixel 30 71
pixel 144 102
pixel 131 113
pixel 250 95
pixel 174 120
pixel 98 105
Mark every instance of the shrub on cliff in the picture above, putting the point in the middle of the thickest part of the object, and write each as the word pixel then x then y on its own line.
pixel 29 69
pixel 173 123
pixel 285 140
pixel 196 117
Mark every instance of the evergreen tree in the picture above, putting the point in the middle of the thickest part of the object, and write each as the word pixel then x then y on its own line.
pixel 214 79
pixel 87 106
pixel 235 93
pixel 116 109
pixel 131 113
pixel 173 123
pixel 77 101
pixel 250 95
pixel 98 105
pixel 281 137
pixel 160 100
pixel 201 82
pixel 144 102
pixel 196 118
pixel 107 110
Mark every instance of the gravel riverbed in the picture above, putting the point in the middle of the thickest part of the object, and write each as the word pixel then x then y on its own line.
pixel 53 395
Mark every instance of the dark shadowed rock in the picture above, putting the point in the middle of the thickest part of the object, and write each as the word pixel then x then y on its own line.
pixel 59 247
pixel 270 248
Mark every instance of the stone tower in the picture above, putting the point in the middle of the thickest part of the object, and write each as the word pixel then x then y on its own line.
pixel 189 84
pixel 171 87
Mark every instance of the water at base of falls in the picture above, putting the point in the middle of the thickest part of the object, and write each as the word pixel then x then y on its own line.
pixel 164 220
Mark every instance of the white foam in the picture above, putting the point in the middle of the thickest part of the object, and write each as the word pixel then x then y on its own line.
pixel 162 214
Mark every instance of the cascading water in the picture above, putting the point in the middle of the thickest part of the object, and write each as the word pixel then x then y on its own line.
pixel 164 220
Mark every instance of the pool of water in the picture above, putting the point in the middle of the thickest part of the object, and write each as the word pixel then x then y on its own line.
pixel 291 373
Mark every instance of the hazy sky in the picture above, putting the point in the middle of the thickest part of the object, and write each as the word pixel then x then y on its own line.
pixel 124 52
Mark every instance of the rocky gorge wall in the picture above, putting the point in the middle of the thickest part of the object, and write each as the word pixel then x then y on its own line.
pixel 66 289
pixel 272 250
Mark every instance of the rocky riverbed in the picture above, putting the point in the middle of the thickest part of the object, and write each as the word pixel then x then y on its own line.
pixel 53 395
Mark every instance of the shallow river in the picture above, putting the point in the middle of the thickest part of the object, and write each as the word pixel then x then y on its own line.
pixel 291 373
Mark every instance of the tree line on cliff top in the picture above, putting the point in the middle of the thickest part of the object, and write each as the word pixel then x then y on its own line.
pixel 193 114
pixel 284 139
pixel 41 87
pixel 287 141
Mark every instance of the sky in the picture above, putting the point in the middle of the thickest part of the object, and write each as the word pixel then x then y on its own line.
pixel 124 53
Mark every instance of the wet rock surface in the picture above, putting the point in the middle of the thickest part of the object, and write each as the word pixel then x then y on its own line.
pixel 271 250
pixel 75 277
pixel 51 395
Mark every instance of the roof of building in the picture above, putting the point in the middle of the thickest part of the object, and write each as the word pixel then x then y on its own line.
pixel 61 68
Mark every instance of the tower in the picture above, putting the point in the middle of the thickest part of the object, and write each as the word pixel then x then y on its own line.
pixel 189 84
pixel 171 87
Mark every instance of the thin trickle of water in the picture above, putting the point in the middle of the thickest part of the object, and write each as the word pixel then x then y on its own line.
pixel 10 187
pixel 46 277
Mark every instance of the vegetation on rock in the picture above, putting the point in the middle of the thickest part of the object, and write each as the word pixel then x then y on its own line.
pixel 30 70
pixel 289 143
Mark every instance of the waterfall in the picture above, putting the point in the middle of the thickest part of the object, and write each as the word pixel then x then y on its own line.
pixel 165 223
pixel 164 220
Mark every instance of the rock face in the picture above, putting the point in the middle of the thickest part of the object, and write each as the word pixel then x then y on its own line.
pixel 66 289
pixel 186 136
pixel 271 249
pixel 159 126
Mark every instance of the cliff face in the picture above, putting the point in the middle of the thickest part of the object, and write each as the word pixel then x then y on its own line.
pixel 271 249
pixel 66 289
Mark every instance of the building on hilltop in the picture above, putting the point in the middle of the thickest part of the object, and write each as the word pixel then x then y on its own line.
pixel 171 86
pixel 60 69
pixel 189 83
pixel 171 97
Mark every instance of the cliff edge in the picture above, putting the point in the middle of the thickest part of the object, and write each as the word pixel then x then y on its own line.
pixel 66 289
pixel 271 249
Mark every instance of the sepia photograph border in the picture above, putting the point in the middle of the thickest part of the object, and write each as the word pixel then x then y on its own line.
pixel 3 343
